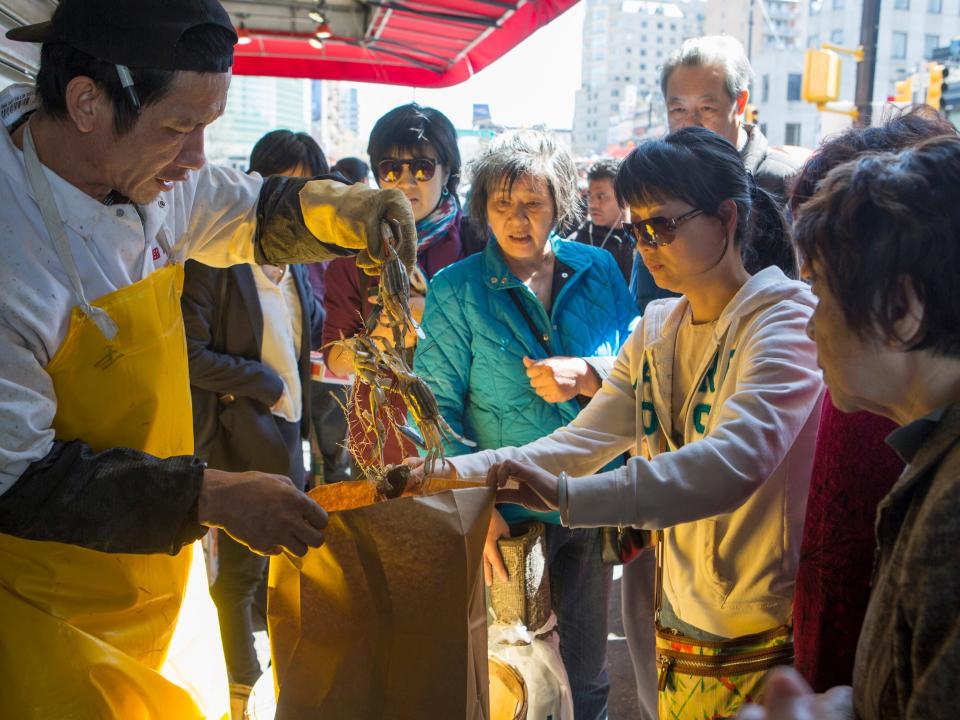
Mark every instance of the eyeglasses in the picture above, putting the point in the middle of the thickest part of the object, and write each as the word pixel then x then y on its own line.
pixel 658 231
pixel 421 168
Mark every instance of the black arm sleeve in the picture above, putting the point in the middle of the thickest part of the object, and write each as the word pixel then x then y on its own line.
pixel 119 500
pixel 282 236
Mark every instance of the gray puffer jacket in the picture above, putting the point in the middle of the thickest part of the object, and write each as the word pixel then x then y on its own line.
pixel 772 168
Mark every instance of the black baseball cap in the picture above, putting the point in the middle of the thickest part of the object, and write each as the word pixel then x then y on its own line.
pixel 135 33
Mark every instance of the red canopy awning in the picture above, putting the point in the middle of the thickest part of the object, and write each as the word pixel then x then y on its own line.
pixel 399 42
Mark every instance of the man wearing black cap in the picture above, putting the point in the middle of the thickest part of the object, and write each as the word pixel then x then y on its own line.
pixel 105 196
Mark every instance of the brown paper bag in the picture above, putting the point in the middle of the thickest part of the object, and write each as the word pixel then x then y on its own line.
pixel 387 618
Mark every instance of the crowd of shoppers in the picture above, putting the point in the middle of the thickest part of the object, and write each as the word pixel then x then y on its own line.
pixel 690 406
pixel 704 381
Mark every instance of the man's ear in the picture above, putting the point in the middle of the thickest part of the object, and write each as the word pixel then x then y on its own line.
pixel 742 97
pixel 87 104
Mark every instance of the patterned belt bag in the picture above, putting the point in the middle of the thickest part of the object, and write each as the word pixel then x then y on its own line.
pixel 713 679
pixel 701 679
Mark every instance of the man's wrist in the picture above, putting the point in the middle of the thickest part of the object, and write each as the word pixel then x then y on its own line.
pixel 206 501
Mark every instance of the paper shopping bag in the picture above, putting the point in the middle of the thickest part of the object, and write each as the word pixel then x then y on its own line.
pixel 387 618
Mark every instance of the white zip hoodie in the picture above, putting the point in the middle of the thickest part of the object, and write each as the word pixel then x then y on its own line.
pixel 732 498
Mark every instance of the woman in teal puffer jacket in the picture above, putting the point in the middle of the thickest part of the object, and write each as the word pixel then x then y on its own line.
pixel 518 338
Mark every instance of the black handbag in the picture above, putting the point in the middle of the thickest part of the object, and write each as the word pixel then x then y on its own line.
pixel 620 545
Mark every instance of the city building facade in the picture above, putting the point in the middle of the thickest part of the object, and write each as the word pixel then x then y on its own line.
pixel 625 43
pixel 909 31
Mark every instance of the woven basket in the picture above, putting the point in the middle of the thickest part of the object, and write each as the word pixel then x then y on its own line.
pixel 508 692
pixel 526 595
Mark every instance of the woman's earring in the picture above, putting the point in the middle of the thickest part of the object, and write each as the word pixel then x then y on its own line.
pixel 445 193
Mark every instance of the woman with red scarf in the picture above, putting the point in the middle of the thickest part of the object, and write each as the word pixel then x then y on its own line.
pixel 413 149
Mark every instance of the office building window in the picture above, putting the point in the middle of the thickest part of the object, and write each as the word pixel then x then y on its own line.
pixel 901 4
pixel 836 37
pixel 930 43
pixel 838 4
pixel 794 81
pixel 765 89
pixel 899 46
pixel 813 41
pixel 792 134
pixel 763 128
pixel 935 6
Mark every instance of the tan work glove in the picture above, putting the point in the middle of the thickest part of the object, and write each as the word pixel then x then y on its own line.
pixel 350 215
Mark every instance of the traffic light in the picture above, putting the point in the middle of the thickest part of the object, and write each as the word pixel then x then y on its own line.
pixel 821 76
pixel 904 91
pixel 937 86
pixel 752 114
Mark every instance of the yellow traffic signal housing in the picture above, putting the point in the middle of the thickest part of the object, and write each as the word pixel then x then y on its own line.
pixel 904 91
pixel 821 76
pixel 935 89
pixel 751 114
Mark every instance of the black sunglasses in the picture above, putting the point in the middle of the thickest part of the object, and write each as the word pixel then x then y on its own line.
pixel 658 231
pixel 421 168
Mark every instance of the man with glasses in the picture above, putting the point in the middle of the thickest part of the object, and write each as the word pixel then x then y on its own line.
pixel 106 194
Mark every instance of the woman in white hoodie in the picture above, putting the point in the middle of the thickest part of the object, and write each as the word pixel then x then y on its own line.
pixel 718 393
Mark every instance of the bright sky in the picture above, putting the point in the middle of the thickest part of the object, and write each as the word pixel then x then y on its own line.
pixel 534 83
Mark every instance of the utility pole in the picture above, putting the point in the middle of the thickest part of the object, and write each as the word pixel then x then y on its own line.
pixel 867 70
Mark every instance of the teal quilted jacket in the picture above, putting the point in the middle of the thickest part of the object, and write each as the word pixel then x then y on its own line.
pixel 476 339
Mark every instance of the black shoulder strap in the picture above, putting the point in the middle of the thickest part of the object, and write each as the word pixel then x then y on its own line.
pixel 538 334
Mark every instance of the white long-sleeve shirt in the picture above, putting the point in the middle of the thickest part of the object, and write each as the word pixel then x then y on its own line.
pixel 210 217
pixel 282 327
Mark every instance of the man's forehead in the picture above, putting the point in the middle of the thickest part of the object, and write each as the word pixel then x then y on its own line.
pixel 706 82
pixel 601 184
pixel 195 98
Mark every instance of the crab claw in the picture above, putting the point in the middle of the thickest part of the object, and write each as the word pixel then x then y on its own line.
pixel 411 434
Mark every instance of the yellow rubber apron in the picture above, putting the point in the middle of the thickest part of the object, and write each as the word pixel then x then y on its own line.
pixel 87 634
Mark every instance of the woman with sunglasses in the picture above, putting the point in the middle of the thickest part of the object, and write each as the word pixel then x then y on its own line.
pixel 413 149
pixel 718 391
pixel 517 340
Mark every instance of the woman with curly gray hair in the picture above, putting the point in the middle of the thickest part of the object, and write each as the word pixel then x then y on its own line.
pixel 518 340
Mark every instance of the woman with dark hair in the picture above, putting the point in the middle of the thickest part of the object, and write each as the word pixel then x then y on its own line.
pixel 413 149
pixel 284 152
pixel 718 392
pixel 879 240
pixel 853 467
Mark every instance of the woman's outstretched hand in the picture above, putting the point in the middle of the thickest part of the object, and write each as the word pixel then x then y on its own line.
pixel 525 484
pixel 442 470
pixel 788 697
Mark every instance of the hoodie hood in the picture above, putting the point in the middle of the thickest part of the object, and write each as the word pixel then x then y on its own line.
pixel 766 288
